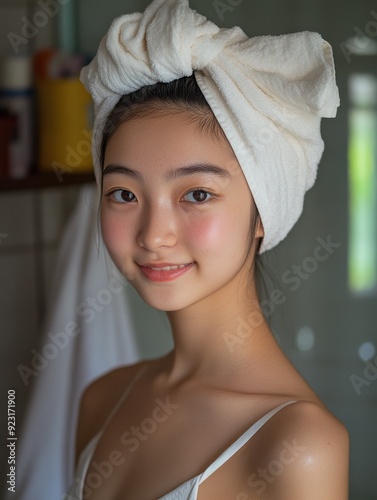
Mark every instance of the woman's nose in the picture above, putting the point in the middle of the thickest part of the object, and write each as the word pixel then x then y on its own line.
pixel 157 228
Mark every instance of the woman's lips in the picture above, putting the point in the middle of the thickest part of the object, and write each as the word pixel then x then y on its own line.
pixel 165 272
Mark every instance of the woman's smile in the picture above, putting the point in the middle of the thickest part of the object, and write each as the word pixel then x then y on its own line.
pixel 163 273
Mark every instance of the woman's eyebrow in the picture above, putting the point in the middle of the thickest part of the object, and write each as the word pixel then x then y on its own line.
pixel 201 168
pixel 121 169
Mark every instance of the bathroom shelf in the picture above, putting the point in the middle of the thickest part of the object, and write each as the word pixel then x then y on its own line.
pixel 45 180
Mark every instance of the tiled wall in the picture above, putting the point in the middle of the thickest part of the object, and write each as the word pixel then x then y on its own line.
pixel 30 228
pixel 31 225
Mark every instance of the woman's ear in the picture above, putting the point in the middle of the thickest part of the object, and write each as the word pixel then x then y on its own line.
pixel 259 232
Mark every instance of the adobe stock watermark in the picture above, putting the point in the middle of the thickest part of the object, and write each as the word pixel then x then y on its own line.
pixel 223 6
pixel 131 439
pixel 260 480
pixel 362 40
pixel 136 435
pixel 30 27
pixel 74 156
pixel 370 375
pixel 88 310
pixel 293 277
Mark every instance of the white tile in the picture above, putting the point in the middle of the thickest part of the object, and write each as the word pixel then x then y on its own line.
pixel 19 324
pixel 16 219
pixel 18 299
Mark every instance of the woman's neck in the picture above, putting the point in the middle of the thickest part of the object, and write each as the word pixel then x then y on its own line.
pixel 218 337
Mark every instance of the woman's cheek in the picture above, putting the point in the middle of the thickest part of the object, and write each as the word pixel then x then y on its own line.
pixel 207 232
pixel 114 232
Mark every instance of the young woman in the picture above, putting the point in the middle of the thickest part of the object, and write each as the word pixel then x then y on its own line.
pixel 224 415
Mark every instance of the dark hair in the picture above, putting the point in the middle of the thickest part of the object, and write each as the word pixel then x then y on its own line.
pixel 183 94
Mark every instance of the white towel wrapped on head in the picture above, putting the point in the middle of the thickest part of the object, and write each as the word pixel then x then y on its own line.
pixel 268 93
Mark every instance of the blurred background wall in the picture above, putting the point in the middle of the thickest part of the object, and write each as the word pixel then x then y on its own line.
pixel 327 325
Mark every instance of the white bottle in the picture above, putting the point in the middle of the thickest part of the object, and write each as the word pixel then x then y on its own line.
pixel 16 95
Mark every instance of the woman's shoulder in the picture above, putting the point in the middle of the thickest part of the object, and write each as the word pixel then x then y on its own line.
pixel 313 423
pixel 98 400
pixel 304 413
pixel 303 453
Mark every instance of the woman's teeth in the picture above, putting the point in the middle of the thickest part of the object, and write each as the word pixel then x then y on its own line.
pixel 168 268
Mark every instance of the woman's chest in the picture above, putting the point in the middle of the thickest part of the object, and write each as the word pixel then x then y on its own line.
pixel 150 453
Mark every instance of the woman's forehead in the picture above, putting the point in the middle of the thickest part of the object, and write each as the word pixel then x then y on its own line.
pixel 171 139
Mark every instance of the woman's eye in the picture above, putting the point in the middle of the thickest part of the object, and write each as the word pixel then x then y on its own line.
pixel 122 196
pixel 198 196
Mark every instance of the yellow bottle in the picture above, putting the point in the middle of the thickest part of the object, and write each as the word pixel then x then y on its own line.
pixel 64 110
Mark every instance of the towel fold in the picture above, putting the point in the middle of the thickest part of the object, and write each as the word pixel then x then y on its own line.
pixel 268 93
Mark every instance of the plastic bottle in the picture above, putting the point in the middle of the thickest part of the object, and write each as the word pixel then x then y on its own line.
pixel 8 129
pixel 16 95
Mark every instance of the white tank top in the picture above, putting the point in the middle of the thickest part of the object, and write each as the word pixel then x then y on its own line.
pixel 189 489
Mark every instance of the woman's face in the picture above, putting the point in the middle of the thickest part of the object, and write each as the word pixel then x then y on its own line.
pixel 173 195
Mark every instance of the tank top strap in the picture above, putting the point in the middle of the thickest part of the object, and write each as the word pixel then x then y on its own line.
pixel 241 441
pixel 123 396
